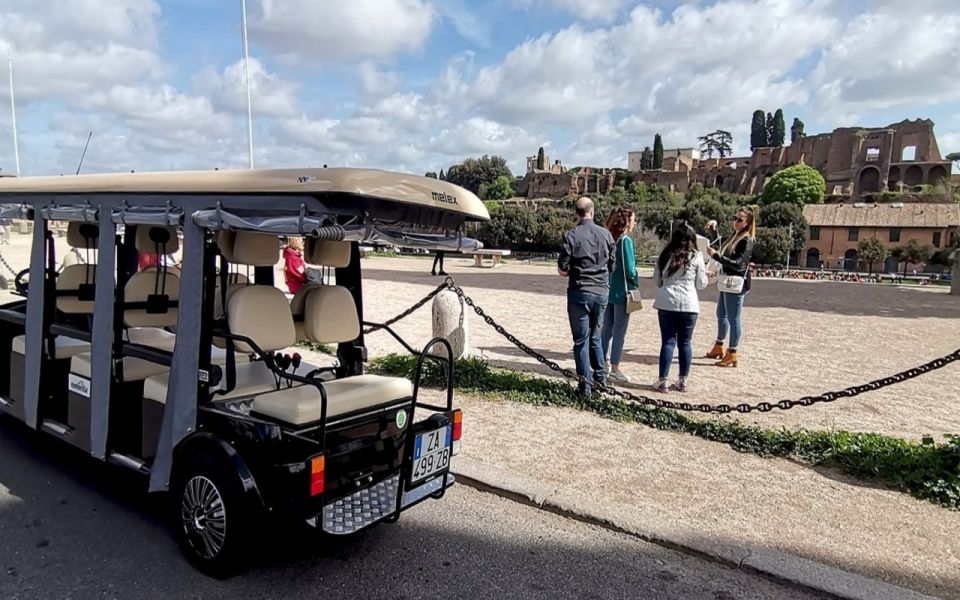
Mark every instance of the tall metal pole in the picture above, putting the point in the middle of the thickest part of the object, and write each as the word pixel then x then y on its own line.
pixel 791 246
pixel 13 110
pixel 246 75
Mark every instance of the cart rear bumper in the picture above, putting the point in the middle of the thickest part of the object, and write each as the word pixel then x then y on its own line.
pixel 364 508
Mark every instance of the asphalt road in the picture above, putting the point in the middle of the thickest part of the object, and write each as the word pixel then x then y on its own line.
pixel 71 528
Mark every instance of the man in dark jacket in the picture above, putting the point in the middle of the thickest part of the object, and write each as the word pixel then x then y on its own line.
pixel 587 259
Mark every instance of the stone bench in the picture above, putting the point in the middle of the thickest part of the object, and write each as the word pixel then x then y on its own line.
pixel 496 257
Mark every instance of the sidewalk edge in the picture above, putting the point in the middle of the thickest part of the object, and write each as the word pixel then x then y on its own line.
pixel 786 569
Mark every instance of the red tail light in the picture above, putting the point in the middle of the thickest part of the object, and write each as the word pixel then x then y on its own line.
pixel 317 475
pixel 457 425
pixel 457 431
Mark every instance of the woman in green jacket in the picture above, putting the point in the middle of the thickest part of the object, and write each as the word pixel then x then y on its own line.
pixel 623 278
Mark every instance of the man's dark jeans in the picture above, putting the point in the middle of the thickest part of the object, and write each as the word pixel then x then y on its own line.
pixel 586 310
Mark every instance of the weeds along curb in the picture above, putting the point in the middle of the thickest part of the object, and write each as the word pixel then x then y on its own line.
pixel 928 469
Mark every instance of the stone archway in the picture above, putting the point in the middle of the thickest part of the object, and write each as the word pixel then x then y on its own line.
pixel 851 259
pixel 718 182
pixel 893 178
pixel 913 176
pixel 813 258
pixel 891 265
pixel 937 175
pixel 869 180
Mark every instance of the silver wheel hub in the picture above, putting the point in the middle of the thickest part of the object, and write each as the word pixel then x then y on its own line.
pixel 204 517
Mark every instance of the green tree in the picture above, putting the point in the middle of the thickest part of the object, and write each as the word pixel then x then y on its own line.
pixel 499 189
pixel 474 172
pixel 657 152
pixel 799 185
pixel 772 246
pixel 430 174
pixel 913 252
pixel 719 141
pixel 698 212
pixel 638 193
pixel 872 251
pixel 541 159
pixel 510 228
pixel 656 217
pixel 779 129
pixel 796 131
pixel 442 176
pixel 769 125
pixel 758 131
pixel 617 196
pixel 646 158
pixel 783 215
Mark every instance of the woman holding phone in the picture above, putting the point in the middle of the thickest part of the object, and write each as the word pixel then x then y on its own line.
pixel 734 284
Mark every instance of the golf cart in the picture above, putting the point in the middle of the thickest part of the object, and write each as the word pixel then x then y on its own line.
pixel 183 373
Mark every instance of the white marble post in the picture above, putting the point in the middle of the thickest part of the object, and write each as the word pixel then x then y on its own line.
pixel 450 322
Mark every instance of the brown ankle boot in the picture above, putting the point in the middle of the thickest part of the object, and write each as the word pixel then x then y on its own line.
pixel 729 359
pixel 717 351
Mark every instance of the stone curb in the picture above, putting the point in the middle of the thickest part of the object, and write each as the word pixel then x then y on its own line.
pixel 783 568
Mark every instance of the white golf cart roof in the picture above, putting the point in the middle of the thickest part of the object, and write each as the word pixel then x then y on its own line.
pixel 364 185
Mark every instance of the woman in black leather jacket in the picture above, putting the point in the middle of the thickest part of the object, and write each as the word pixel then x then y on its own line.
pixel 734 257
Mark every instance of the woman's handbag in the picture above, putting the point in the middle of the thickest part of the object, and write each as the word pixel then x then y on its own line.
pixel 634 302
pixel 730 284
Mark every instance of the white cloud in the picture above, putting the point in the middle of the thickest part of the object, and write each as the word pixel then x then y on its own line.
pixel 375 82
pixel 331 29
pixel 270 94
pixel 61 52
pixel 590 10
pixel 882 61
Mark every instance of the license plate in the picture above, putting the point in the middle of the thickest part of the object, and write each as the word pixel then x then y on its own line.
pixel 431 453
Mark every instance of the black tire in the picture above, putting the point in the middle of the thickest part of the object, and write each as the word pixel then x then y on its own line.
pixel 214 520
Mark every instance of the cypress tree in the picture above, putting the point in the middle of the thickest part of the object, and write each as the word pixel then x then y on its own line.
pixel 758 130
pixel 657 152
pixel 796 131
pixel 769 130
pixel 541 159
pixel 779 129
pixel 442 176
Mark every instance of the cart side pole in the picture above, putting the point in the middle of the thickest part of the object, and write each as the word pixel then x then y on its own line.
pixel 101 343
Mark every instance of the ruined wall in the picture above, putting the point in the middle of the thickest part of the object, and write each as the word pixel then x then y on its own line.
pixel 852 160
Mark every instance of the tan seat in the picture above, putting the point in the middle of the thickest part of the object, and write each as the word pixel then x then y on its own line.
pixel 330 316
pixel 302 405
pixel 252 378
pixel 161 339
pixel 65 347
pixel 134 369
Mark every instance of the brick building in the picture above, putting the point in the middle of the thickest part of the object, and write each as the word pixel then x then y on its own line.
pixel 836 230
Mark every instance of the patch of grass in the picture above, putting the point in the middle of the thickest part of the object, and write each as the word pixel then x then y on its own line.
pixel 321 348
pixel 929 469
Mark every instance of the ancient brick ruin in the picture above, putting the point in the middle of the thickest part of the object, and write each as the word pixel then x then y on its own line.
pixel 854 161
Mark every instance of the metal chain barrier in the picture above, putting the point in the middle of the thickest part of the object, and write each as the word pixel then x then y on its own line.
pixel 446 285
pixel 7 265
pixel 763 407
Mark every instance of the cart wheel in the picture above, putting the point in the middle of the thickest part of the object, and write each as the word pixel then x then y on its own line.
pixel 214 521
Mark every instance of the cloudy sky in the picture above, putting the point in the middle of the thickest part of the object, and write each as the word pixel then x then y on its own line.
pixel 417 85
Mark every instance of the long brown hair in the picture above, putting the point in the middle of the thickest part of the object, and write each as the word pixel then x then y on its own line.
pixel 619 220
pixel 750 231
pixel 679 251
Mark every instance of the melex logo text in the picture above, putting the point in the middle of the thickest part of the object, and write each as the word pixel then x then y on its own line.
pixel 445 198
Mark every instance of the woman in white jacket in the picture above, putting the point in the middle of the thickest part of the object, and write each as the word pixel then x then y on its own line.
pixel 679 272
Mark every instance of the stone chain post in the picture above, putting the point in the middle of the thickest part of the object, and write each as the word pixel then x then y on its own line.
pixel 450 322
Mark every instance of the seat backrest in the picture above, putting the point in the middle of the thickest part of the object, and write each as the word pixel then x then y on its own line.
pixel 75 283
pixel 235 281
pixel 155 290
pixel 327 253
pixel 330 315
pixel 261 313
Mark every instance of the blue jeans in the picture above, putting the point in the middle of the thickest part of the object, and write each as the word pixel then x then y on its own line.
pixel 676 329
pixel 615 322
pixel 729 309
pixel 585 310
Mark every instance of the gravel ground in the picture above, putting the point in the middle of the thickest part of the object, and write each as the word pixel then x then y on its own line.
pixel 73 529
